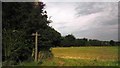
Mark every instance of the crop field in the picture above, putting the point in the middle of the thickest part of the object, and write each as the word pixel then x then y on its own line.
pixel 98 53
pixel 82 56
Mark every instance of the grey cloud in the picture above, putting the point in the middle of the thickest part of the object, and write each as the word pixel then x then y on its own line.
pixel 97 33
pixel 104 26
pixel 85 8
pixel 110 22
pixel 101 22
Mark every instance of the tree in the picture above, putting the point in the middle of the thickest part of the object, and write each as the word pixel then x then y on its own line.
pixel 20 20
pixel 14 32
pixel 68 40
pixel 112 42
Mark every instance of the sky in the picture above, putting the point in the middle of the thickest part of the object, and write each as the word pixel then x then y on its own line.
pixel 93 20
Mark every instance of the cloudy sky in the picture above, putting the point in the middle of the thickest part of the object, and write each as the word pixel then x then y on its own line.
pixel 93 20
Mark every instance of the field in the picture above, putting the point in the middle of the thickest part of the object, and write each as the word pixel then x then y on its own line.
pixel 98 53
pixel 83 56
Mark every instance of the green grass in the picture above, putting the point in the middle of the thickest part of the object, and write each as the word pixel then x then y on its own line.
pixel 71 62
pixel 81 56
pixel 28 64
pixel 78 62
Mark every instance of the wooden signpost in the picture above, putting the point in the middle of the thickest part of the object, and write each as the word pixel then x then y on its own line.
pixel 36 44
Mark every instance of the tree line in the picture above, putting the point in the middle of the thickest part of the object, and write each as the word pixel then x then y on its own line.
pixel 70 40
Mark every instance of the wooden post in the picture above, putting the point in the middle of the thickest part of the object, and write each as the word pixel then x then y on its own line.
pixel 36 3
pixel 36 44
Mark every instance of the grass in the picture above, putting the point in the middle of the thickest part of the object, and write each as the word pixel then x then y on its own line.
pixel 81 56
pixel 71 62
pixel 78 62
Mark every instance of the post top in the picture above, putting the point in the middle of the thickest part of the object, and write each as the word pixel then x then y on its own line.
pixel 36 33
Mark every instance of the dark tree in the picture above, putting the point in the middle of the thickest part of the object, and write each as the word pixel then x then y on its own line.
pixel 68 40
pixel 20 20
pixel 112 42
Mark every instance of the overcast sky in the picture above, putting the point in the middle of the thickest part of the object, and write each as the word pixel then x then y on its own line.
pixel 93 20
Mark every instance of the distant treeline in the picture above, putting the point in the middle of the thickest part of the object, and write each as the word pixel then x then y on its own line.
pixel 70 40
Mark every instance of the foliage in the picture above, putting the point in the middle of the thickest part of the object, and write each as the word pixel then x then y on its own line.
pixel 20 20
pixel 70 40
pixel 112 42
